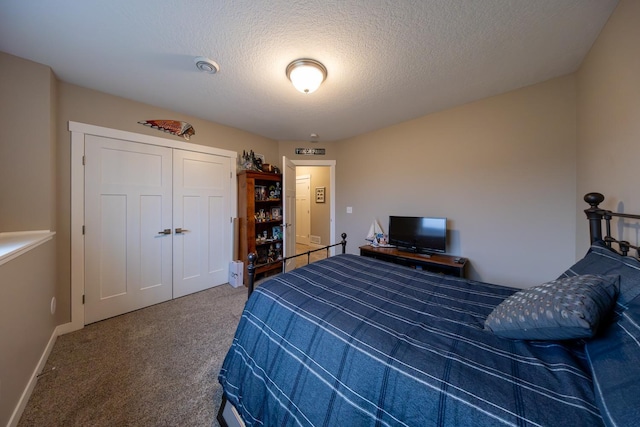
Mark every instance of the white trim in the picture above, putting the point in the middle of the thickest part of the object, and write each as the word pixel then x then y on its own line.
pixel 77 222
pixel 146 139
pixel 26 394
pixel 78 132
pixel 14 244
pixel 332 193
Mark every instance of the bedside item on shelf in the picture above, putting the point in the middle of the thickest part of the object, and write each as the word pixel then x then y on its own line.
pixel 276 232
pixel 376 236
pixel 276 213
pixel 261 192
pixel 251 161
pixel 272 192
pixel 271 255
pixel 269 168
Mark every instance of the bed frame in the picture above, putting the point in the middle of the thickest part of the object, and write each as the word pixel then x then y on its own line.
pixel 251 268
pixel 227 416
pixel 596 215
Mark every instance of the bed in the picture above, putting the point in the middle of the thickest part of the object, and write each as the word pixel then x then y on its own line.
pixel 354 341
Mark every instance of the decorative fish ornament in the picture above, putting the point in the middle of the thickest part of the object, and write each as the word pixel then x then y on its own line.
pixel 174 127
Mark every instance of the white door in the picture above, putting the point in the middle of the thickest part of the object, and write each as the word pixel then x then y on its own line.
pixel 127 210
pixel 289 211
pixel 201 221
pixel 303 209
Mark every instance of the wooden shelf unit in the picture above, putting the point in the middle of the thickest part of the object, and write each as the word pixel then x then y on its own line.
pixel 436 263
pixel 252 225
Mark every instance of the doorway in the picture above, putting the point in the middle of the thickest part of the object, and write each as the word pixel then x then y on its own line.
pixel 322 211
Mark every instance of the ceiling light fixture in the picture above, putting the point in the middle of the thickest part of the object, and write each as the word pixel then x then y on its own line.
pixel 306 74
pixel 206 65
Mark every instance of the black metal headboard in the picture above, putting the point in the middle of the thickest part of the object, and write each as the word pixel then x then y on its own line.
pixel 252 257
pixel 596 215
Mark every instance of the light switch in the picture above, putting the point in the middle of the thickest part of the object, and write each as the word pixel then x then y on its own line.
pixel 349 209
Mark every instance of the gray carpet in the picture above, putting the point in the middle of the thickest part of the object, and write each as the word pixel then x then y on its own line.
pixel 153 367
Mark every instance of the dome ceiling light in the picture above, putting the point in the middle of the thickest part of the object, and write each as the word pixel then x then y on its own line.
pixel 306 74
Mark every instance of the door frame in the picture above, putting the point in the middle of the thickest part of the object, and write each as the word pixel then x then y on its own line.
pixel 332 194
pixel 78 132
pixel 308 215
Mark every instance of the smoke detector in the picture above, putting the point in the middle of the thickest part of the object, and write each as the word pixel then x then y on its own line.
pixel 206 65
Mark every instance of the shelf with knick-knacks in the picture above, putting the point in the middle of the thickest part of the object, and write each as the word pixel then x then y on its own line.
pixel 260 213
pixel 273 214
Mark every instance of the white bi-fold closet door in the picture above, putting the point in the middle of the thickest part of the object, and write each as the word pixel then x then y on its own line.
pixel 157 224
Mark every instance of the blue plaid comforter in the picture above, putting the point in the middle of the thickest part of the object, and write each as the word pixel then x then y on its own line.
pixel 352 341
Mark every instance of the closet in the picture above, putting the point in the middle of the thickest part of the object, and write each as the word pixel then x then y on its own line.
pixel 157 220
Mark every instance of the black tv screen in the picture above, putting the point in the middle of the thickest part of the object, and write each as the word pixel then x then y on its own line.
pixel 419 234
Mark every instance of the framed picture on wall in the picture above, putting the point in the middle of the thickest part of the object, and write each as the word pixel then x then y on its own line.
pixel 320 194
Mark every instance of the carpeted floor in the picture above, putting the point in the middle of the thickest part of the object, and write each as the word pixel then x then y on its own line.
pixel 157 366
pixel 153 367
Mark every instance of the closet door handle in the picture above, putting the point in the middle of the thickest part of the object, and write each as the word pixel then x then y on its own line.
pixel 180 230
pixel 165 231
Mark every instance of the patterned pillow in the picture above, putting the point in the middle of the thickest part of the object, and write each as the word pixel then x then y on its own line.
pixel 561 309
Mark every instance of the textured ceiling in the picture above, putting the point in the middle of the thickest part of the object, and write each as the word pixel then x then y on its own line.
pixel 388 60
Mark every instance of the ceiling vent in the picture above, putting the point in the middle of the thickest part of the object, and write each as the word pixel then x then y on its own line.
pixel 206 65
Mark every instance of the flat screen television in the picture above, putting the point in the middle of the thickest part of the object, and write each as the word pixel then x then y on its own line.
pixel 418 234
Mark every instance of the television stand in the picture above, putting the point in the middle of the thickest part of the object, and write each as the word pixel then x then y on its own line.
pixel 435 263
pixel 414 252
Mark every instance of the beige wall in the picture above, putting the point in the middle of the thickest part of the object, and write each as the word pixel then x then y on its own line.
pixel 27 284
pixel 502 170
pixel 27 200
pixel 609 119
pixel 27 190
pixel 92 107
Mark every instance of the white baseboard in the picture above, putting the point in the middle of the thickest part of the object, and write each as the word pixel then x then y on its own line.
pixel 68 327
pixel 26 394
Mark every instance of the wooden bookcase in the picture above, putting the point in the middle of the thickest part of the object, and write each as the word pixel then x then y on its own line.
pixel 260 219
